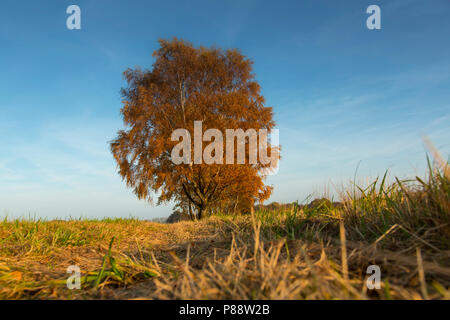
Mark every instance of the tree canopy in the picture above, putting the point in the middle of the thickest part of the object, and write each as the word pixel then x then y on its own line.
pixel 188 84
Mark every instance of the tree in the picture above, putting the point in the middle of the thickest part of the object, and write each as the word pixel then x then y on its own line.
pixel 188 84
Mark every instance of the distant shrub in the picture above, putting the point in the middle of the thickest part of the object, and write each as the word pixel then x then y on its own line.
pixel 178 216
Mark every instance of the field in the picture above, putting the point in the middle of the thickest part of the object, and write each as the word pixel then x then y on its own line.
pixel 321 251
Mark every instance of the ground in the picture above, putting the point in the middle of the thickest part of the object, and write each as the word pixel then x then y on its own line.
pixel 234 258
pixel 319 251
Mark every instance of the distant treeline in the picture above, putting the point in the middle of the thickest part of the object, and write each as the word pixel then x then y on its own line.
pixel 316 203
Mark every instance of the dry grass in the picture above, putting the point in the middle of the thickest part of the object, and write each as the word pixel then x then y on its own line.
pixel 319 252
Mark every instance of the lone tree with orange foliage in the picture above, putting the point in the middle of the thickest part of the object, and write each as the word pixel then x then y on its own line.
pixel 188 84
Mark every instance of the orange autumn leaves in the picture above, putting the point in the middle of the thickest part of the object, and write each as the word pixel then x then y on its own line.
pixel 188 84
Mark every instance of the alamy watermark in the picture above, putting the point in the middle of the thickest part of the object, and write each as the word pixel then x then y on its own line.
pixel 258 147
pixel 74 281
pixel 74 20
pixel 374 20
pixel 374 281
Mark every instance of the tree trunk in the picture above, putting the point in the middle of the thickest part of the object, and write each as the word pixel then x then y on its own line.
pixel 191 215
pixel 235 205
pixel 200 212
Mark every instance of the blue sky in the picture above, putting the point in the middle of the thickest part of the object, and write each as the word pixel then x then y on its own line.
pixel 342 94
